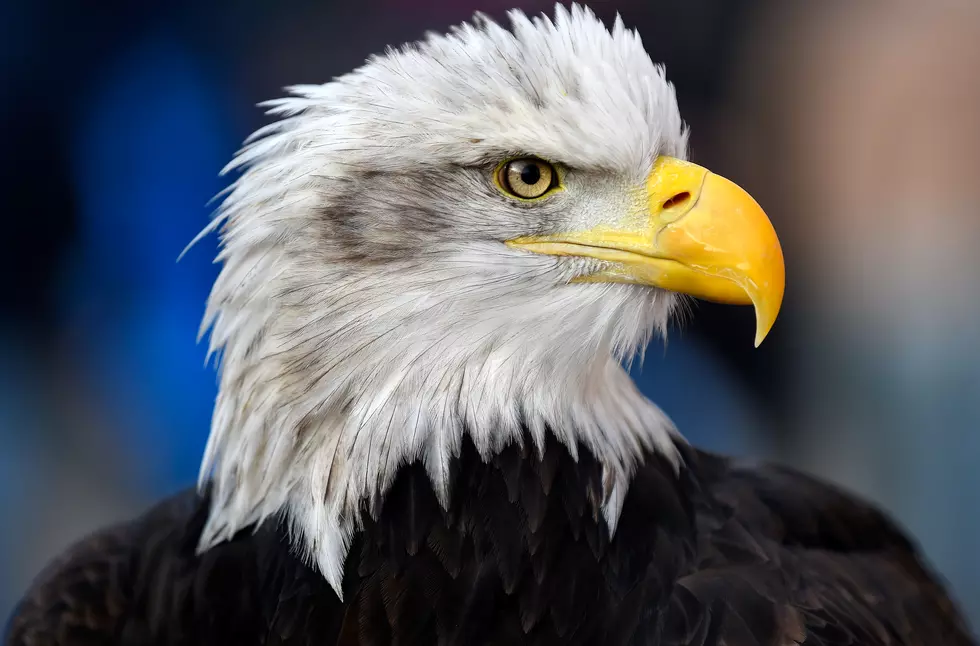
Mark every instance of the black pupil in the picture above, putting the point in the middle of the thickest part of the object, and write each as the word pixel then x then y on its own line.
pixel 530 174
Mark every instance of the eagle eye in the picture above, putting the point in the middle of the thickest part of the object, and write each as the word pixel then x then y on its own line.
pixel 527 178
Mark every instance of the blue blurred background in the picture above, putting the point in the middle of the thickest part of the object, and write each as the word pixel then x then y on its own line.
pixel 855 124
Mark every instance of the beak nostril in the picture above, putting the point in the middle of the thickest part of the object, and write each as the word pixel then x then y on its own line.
pixel 677 200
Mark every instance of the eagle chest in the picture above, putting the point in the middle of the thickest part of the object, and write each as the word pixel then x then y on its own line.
pixel 522 556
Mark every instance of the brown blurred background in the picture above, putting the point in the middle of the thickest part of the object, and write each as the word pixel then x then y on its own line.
pixel 856 124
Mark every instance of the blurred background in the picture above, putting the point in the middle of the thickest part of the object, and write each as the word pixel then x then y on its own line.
pixel 855 124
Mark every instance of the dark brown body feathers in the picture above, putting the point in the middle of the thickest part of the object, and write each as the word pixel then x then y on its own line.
pixel 715 555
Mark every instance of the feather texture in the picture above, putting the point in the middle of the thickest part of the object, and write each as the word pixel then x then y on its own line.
pixel 718 554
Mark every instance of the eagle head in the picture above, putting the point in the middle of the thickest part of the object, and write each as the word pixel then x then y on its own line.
pixel 465 236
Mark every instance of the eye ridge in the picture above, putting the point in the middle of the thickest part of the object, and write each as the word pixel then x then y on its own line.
pixel 527 178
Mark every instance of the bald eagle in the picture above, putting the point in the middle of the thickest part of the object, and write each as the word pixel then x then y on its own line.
pixel 433 270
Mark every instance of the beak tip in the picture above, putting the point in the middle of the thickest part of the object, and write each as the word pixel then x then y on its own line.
pixel 768 302
pixel 765 319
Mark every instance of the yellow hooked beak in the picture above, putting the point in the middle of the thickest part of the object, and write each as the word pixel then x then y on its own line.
pixel 699 234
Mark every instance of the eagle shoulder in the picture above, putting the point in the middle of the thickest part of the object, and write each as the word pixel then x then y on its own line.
pixel 80 597
pixel 784 558
pixel 100 590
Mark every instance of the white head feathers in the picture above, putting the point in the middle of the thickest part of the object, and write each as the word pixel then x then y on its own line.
pixel 367 313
